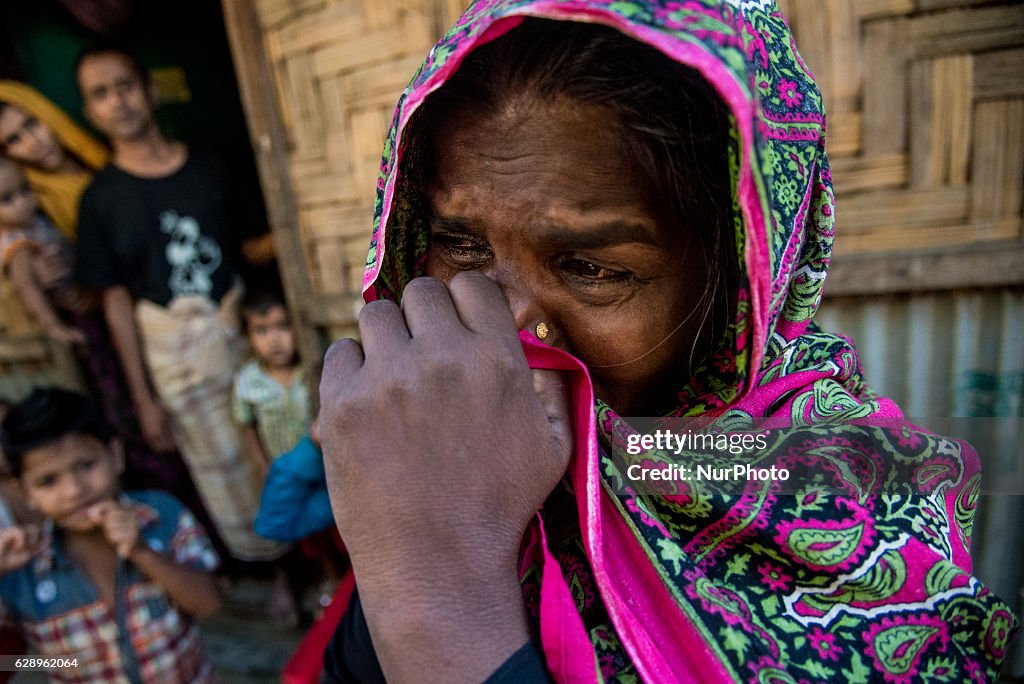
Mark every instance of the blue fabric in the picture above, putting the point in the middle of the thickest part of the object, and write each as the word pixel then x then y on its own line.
pixel 295 503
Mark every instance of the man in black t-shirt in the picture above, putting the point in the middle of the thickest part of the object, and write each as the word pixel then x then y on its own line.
pixel 155 236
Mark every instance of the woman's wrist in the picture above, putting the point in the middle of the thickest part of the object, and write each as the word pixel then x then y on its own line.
pixel 461 626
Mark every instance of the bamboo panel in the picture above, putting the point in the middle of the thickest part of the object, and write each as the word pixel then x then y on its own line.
pixel 885 241
pixel 335 96
pixel 874 9
pixel 335 24
pixel 844 133
pixel 338 237
pixel 341 259
pixel 323 221
pixel 303 105
pixel 926 126
pixel 364 51
pixel 932 5
pixel 415 28
pixel 275 12
pixel 377 85
pixel 925 100
pixel 378 14
pixel 324 187
pixel 998 159
pixel 940 110
pixel 337 144
pixel 885 125
pixel 844 75
pixel 833 55
pixel 856 174
pixel 999 74
pixel 906 208
pixel 338 68
pixel 448 12
pixel 966 30
pixel 327 261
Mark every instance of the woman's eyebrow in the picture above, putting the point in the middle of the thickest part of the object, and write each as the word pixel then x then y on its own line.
pixel 562 236
pixel 451 224
pixel 596 236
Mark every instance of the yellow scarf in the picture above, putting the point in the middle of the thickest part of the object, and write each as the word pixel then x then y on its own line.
pixel 58 192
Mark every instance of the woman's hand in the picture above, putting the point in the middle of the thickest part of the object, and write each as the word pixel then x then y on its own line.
pixel 440 445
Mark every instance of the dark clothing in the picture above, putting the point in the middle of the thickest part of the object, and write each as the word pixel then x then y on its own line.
pixel 350 658
pixel 160 237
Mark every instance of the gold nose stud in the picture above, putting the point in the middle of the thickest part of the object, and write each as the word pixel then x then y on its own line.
pixel 541 330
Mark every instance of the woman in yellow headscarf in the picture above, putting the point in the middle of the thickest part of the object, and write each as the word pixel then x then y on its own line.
pixel 57 155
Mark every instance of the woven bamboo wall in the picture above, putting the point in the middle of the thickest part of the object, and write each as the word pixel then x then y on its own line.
pixel 925 99
pixel 339 66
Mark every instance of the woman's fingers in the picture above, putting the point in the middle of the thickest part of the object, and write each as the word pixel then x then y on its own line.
pixel 344 356
pixel 482 306
pixel 429 310
pixel 342 361
pixel 552 390
pixel 381 327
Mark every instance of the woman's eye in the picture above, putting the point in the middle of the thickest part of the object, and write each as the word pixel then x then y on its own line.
pixel 462 251
pixel 584 270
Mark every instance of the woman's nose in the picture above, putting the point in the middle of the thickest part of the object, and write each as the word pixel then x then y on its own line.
pixel 525 303
pixel 35 136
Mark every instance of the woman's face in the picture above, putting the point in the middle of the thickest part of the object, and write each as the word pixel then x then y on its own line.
pixel 542 198
pixel 26 139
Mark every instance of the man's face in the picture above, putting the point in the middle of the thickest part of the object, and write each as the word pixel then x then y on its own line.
pixel 64 479
pixel 115 99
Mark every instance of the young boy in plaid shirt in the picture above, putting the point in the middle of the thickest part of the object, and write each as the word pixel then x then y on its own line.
pixel 112 580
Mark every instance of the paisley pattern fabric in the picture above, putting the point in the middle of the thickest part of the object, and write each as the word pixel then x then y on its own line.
pixel 858 575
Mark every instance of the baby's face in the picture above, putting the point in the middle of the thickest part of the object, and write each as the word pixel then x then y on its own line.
pixel 271 337
pixel 17 203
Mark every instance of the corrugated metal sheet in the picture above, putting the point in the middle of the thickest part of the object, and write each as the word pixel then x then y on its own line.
pixel 939 354
pixel 953 354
